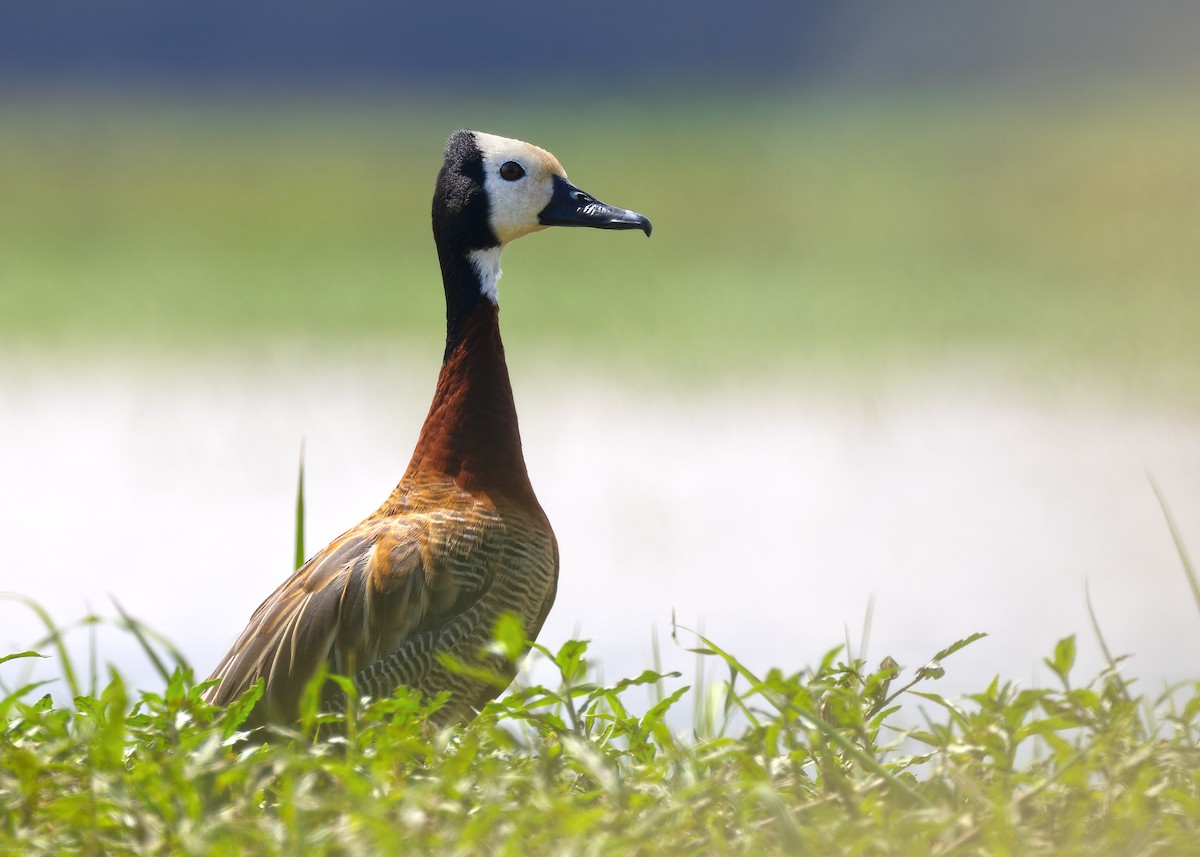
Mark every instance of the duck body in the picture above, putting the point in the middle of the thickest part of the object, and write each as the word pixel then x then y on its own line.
pixel 462 540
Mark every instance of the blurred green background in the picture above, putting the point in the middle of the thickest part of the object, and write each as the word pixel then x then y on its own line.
pixel 821 214
pixel 788 230
pixel 918 315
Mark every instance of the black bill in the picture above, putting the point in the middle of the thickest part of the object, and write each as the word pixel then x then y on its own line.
pixel 569 206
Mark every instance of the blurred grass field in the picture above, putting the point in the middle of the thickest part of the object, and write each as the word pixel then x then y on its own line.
pixel 1061 235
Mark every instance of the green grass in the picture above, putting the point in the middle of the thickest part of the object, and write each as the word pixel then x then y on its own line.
pixel 840 758
pixel 825 760
pixel 788 231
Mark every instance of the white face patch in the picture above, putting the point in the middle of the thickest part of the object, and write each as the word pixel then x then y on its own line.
pixel 487 267
pixel 514 206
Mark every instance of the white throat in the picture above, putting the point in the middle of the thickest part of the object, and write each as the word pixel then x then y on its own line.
pixel 487 265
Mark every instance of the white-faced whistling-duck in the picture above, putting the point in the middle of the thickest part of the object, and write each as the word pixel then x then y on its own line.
pixel 462 539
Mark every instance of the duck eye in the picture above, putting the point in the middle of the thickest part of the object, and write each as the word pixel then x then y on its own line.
pixel 510 171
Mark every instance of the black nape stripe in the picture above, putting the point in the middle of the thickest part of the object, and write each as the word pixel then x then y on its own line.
pixel 460 205
pixel 460 226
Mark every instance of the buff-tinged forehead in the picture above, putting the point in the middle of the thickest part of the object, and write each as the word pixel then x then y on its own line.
pixel 496 150
pixel 514 203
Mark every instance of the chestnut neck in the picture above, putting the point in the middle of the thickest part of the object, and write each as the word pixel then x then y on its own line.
pixel 471 435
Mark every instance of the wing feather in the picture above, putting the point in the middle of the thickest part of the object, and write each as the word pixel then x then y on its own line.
pixel 359 598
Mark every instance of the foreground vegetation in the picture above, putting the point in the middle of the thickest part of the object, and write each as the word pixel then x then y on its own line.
pixel 817 761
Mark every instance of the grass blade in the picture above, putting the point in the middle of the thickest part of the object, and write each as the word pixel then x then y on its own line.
pixel 1112 663
pixel 134 627
pixel 1188 568
pixel 53 635
pixel 300 556
pixel 866 632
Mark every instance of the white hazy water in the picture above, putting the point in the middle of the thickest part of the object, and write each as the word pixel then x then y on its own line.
pixel 767 516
